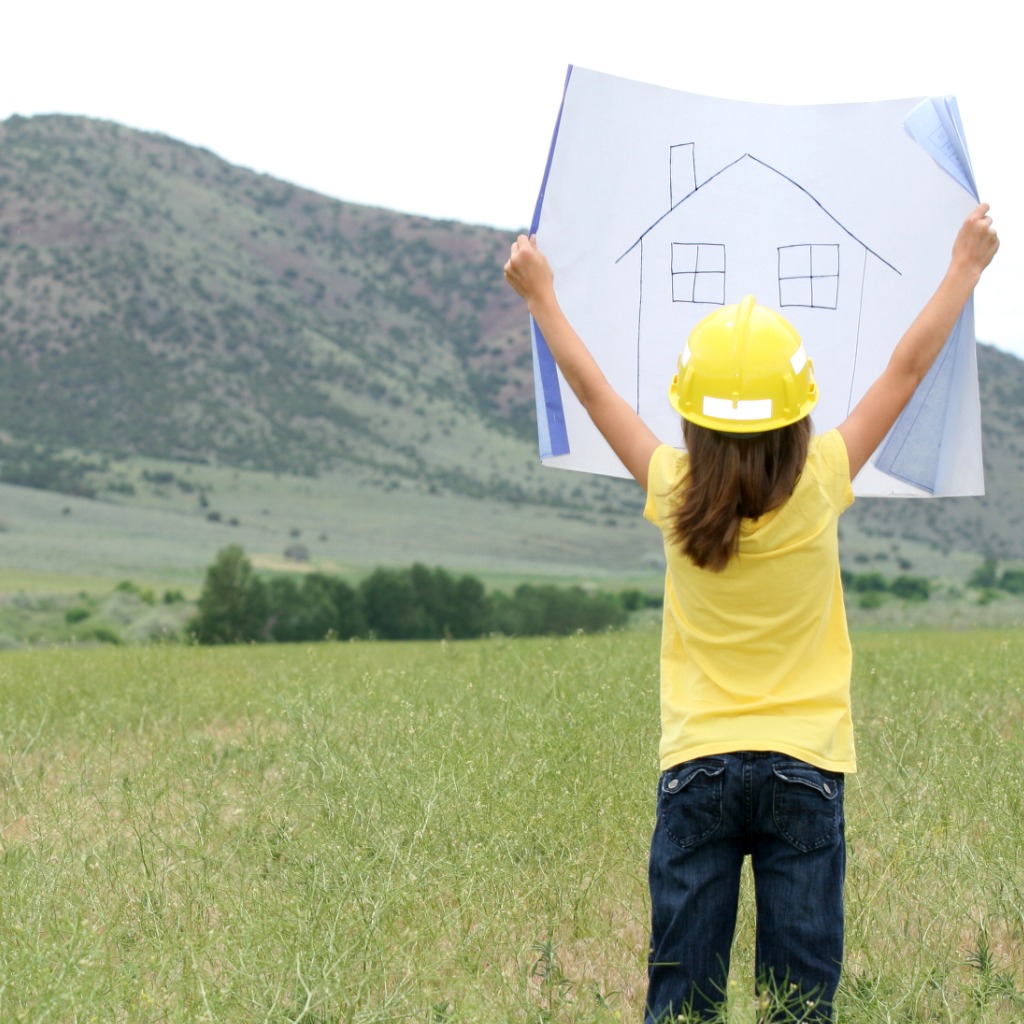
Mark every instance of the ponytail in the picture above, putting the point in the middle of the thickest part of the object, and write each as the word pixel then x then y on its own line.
pixel 732 477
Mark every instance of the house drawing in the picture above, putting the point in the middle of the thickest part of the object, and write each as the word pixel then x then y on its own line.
pixel 749 229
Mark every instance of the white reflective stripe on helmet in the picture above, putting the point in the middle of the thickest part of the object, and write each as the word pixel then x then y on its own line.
pixel 751 409
pixel 798 360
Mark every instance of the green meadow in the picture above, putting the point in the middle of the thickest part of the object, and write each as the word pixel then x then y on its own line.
pixel 457 832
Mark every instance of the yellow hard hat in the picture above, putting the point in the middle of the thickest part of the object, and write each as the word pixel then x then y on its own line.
pixel 744 370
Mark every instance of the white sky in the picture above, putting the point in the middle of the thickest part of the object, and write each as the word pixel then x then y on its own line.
pixel 446 108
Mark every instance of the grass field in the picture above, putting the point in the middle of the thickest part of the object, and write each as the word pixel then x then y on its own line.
pixel 457 832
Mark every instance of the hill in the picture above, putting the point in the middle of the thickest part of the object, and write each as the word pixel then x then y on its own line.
pixel 156 301
pixel 162 309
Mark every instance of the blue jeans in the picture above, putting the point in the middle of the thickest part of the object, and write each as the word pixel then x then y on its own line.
pixel 788 816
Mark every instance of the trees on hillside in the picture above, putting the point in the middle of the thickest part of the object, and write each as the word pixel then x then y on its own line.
pixel 419 603
pixel 320 607
pixel 233 605
pixel 533 610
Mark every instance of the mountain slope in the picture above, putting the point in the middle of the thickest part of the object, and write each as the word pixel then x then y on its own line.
pixel 156 301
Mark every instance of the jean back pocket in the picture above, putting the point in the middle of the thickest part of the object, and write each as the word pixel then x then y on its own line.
pixel 807 804
pixel 690 800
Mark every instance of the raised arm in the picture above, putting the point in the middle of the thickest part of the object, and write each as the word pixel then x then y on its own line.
pixel 530 274
pixel 863 430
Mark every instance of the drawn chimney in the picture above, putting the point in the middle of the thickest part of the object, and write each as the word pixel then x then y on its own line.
pixel 682 173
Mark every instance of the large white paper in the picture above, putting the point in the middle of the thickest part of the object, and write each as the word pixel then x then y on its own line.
pixel 659 206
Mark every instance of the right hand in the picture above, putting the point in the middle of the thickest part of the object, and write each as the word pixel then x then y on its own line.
pixel 976 242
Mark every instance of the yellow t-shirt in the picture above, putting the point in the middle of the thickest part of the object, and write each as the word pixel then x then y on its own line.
pixel 757 657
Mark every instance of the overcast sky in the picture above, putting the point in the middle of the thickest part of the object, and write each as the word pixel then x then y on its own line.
pixel 446 108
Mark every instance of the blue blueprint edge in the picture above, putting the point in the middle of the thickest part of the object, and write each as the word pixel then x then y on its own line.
pixel 936 126
pixel 552 436
pixel 911 451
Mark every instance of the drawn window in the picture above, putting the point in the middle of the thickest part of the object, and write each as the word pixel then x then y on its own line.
pixel 809 276
pixel 698 272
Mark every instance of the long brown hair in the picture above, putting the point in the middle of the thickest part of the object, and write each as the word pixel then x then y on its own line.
pixel 730 478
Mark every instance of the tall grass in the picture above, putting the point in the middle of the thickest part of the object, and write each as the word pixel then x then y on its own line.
pixel 457 833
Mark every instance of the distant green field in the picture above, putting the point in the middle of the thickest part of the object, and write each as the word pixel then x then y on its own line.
pixel 162 523
pixel 348 523
pixel 457 832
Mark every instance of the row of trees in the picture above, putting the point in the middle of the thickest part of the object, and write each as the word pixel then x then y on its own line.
pixel 238 606
pixel 907 588
pixel 988 577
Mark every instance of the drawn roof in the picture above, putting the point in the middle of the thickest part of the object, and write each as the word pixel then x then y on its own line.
pixel 773 170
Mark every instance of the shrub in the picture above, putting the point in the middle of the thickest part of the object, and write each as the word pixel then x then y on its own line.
pixel 869 581
pixel 100 635
pixel 634 600
pixel 549 610
pixel 1012 581
pixel 911 588
pixel 985 576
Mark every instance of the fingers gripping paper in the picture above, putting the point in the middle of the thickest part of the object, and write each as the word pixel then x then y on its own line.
pixel 659 206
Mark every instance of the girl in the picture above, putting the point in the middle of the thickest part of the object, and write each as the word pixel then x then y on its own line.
pixel 755 652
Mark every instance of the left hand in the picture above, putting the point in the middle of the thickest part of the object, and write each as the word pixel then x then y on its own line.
pixel 528 270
